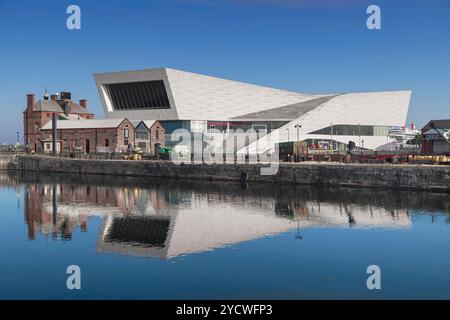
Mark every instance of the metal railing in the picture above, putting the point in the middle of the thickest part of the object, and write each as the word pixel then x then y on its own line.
pixel 93 155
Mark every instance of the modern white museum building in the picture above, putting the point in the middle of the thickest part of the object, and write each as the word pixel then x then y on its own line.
pixel 201 103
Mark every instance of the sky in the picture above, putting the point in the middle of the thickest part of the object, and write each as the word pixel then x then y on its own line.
pixel 309 46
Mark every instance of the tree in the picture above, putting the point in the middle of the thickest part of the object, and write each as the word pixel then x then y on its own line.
pixel 417 140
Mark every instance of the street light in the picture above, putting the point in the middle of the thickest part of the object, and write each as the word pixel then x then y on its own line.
pixel 359 134
pixel 331 136
pixel 297 126
pixel 296 156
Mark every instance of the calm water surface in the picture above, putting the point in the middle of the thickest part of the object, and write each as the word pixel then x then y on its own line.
pixel 144 239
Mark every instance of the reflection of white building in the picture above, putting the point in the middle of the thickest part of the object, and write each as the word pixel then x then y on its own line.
pixel 202 103
pixel 185 231
pixel 196 228
pixel 144 223
pixel 339 216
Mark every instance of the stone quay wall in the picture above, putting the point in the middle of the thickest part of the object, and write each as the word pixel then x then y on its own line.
pixel 407 177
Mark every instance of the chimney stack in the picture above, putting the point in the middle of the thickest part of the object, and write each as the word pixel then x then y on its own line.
pixel 31 100
pixel 54 97
pixel 83 103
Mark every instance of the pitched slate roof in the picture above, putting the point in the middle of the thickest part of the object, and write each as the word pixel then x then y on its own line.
pixel 47 106
pixel 53 106
pixel 76 108
pixel 442 124
pixel 84 124
pixel 148 123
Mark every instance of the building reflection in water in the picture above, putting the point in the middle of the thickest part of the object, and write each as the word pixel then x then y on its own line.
pixel 166 221
pixel 58 209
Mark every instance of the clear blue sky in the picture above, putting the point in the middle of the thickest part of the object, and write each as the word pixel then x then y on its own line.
pixel 317 46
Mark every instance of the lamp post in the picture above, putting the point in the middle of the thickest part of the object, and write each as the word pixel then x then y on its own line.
pixel 359 134
pixel 17 142
pixel 331 136
pixel 53 134
pixel 296 156
pixel 297 126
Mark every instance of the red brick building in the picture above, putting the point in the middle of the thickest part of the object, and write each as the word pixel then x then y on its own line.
pixel 149 135
pixel 102 135
pixel 38 113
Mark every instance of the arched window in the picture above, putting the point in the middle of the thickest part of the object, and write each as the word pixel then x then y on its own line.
pixel 126 136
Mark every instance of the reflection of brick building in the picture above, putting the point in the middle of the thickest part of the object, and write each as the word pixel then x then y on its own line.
pixel 45 219
pixel 58 210
pixel 37 114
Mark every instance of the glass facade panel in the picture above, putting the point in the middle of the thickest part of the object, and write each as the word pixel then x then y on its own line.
pixel 138 95
pixel 353 130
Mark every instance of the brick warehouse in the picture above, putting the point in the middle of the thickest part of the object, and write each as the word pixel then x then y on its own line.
pixel 78 131
pixel 37 114
pixel 103 136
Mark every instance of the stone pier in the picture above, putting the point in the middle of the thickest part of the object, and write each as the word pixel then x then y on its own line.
pixel 408 177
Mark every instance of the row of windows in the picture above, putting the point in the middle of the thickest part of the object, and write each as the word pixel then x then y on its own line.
pixel 142 135
pixel 353 130
pixel 126 135
pixel 72 143
pixel 138 95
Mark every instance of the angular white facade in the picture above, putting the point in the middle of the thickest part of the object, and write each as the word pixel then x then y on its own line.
pixel 387 109
pixel 167 95
pixel 197 97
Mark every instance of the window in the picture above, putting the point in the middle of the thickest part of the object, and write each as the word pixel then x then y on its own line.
pixel 106 142
pixel 142 132
pixel 138 95
pixel 126 135
pixel 142 135
pixel 260 128
pixel 157 133
pixel 352 130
